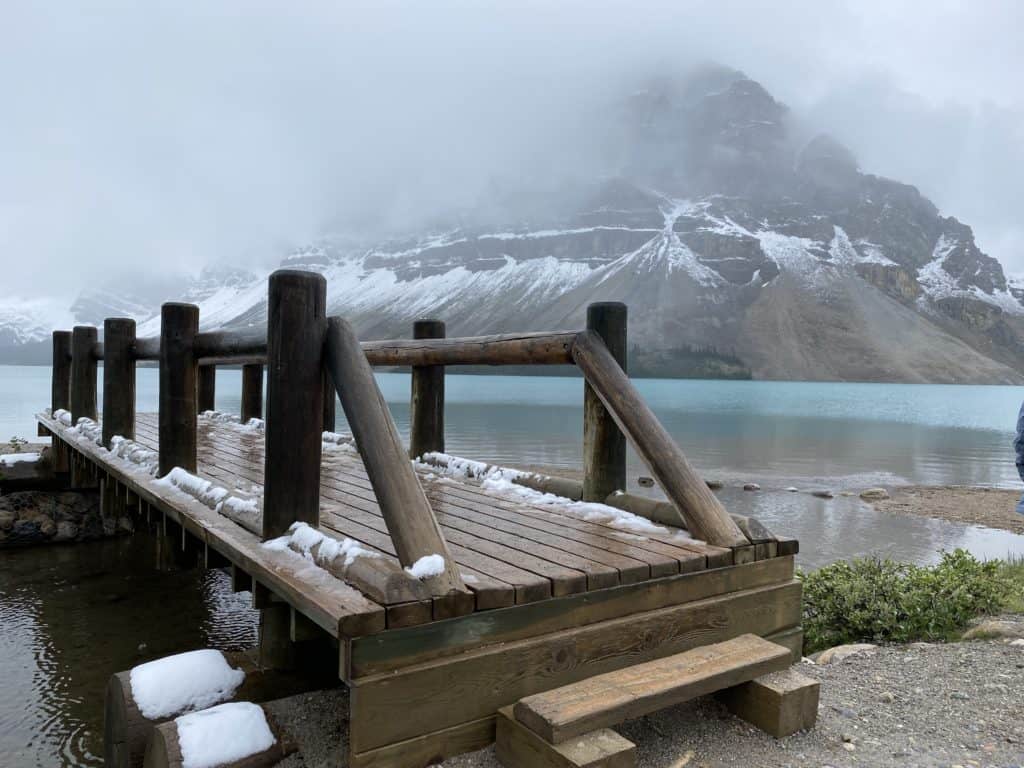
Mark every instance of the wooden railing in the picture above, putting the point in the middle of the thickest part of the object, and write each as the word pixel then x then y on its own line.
pixel 309 357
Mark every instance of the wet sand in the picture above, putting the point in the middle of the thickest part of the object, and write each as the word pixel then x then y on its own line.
pixel 990 507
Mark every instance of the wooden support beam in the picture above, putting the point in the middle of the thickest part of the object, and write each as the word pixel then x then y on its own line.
pixel 702 513
pixel 240 580
pixel 118 379
pixel 604 445
pixel 276 647
pixel 83 373
pixel 505 349
pixel 518 747
pixel 302 630
pixel 252 392
pixel 781 703
pixel 60 385
pixel 404 506
pixel 207 383
pixel 426 415
pixel 179 324
pixel 296 322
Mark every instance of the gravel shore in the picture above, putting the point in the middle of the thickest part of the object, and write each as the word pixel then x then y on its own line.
pixel 920 705
pixel 991 507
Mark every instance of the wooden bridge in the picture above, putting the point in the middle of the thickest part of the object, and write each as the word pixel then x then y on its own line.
pixel 447 596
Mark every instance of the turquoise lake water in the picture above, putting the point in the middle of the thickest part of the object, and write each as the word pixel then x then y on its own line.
pixel 778 434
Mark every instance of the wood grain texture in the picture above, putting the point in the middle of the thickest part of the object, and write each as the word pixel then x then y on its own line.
pixel 505 349
pixel 179 324
pixel 476 684
pixel 609 699
pixel 83 373
pixel 410 521
pixel 604 445
pixel 704 514
pixel 395 650
pixel 780 704
pixel 252 392
pixel 426 414
pixel 207 384
pixel 296 323
pixel 60 383
pixel 519 747
pixel 118 379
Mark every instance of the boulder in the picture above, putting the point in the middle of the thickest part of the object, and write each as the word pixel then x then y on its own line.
pixel 751 487
pixel 840 652
pixel 993 628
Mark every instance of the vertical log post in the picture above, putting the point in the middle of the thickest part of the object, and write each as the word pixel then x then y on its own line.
pixel 296 325
pixel 83 373
pixel 118 378
pixel 207 388
pixel 252 392
pixel 330 398
pixel 60 387
pixel 60 393
pixel 426 417
pixel 179 324
pixel 604 445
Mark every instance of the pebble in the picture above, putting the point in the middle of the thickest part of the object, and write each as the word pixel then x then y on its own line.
pixel 793 489
pixel 887 697
pixel 959 696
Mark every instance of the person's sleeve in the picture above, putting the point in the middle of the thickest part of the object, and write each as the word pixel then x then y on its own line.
pixel 1018 443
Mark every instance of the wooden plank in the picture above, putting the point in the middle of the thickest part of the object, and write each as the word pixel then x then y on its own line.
pixel 426 409
pixel 390 651
pixel 609 699
pixel 476 684
pixel 430 749
pixel 411 522
pixel 338 608
pixel 604 445
pixel 703 512
pixel 519 747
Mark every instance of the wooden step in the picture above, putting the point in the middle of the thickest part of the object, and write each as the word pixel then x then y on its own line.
pixel 608 699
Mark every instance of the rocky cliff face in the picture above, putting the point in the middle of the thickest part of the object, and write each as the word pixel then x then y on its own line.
pixel 721 229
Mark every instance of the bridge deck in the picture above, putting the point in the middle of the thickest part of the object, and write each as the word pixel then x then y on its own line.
pixel 510 549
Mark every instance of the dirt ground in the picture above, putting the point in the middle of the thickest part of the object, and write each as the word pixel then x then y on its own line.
pixel 994 508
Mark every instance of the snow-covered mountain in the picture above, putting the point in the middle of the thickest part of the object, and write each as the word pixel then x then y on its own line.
pixel 740 249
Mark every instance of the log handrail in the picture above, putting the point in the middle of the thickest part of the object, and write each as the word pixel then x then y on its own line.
pixel 407 514
pixel 699 508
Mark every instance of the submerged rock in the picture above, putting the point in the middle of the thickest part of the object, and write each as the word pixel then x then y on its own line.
pixel 751 487
pixel 826 494
pixel 874 494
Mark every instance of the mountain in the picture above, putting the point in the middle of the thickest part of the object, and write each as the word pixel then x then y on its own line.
pixel 741 248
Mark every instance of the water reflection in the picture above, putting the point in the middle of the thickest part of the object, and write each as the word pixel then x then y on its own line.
pixel 71 616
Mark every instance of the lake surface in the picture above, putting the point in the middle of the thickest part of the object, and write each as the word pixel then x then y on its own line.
pixel 71 616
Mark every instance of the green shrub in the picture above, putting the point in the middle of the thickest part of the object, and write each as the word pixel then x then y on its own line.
pixel 877 601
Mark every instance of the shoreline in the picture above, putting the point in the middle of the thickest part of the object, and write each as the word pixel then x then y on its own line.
pixel 970 505
pixel 987 507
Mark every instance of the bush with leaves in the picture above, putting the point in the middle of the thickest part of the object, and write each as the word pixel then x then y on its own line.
pixel 877 601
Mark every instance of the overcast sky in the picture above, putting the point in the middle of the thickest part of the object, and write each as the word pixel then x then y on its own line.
pixel 162 136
